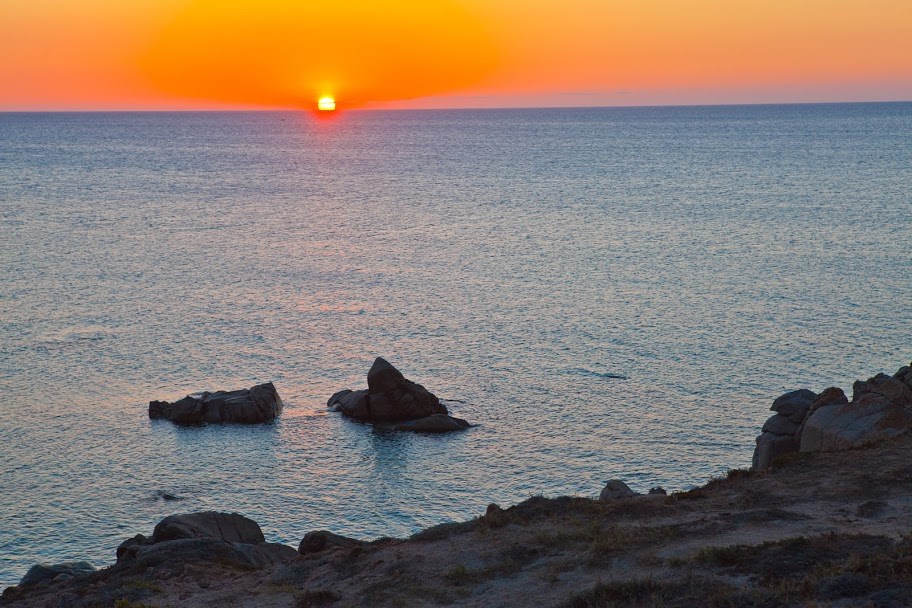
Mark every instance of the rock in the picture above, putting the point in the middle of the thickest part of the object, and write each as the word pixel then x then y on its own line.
pixel 881 408
pixel 390 397
pixel 769 447
pixel 131 545
pixel 383 377
pixel 45 573
pixel 229 527
pixel 658 490
pixel 829 396
pixel 781 432
pixel 174 554
pixel 904 375
pixel 884 388
pixel 780 425
pixel 616 489
pixel 438 423
pixel 260 403
pixel 353 404
pixel 794 405
pixel 208 536
pixel 321 540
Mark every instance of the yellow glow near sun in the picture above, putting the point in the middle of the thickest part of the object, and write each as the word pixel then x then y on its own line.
pixel 326 104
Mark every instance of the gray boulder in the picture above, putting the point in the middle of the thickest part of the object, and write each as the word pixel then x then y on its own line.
pixel 794 405
pixel 46 573
pixel 260 403
pixel 438 423
pixel 390 397
pixel 321 540
pixel 616 489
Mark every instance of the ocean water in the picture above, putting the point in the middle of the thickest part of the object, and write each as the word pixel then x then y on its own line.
pixel 607 293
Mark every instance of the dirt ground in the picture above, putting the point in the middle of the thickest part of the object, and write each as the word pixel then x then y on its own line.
pixel 826 529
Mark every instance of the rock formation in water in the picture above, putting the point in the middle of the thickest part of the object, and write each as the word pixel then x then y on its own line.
pixel 391 397
pixel 881 407
pixel 260 403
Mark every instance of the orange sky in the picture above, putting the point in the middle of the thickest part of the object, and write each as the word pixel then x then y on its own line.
pixel 174 54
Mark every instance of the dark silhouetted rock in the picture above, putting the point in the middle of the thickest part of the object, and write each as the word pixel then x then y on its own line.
pixel 438 423
pixel 321 540
pixel 390 397
pixel 352 404
pixel 616 489
pixel 658 490
pixel 248 406
pixel 229 527
pixel 45 573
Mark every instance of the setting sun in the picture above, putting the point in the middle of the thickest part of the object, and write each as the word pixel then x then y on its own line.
pixel 326 104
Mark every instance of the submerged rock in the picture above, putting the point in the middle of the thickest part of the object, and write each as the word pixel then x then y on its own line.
pixel 438 423
pixel 260 403
pixel 391 397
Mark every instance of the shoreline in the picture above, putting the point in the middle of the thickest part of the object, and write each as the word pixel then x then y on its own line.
pixel 814 527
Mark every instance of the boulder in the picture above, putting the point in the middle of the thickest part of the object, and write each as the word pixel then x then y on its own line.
pixel 390 397
pixel 206 536
pixel 321 540
pixel 230 527
pixel 260 403
pixel 438 423
pixel 770 446
pixel 45 573
pixel 794 405
pixel 616 489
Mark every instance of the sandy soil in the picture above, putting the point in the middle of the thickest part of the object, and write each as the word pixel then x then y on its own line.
pixel 816 530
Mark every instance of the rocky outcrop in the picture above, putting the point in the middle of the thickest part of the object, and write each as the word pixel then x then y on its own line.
pixel 321 540
pixel 260 403
pixel 391 397
pixel 40 574
pixel 881 407
pixel 201 537
pixel 778 434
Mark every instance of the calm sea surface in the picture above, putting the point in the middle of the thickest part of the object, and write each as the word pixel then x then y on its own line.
pixel 514 262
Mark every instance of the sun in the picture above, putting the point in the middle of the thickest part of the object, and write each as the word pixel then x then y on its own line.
pixel 326 104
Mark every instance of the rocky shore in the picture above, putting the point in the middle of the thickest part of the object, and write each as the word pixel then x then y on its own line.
pixel 816 527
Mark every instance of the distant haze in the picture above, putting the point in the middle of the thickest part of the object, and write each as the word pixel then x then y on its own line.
pixel 219 54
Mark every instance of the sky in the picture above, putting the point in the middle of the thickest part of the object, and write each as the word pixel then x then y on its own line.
pixel 226 54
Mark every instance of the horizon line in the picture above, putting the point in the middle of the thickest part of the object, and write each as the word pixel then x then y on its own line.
pixel 268 109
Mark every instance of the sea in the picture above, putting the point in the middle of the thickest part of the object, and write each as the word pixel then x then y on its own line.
pixel 606 293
